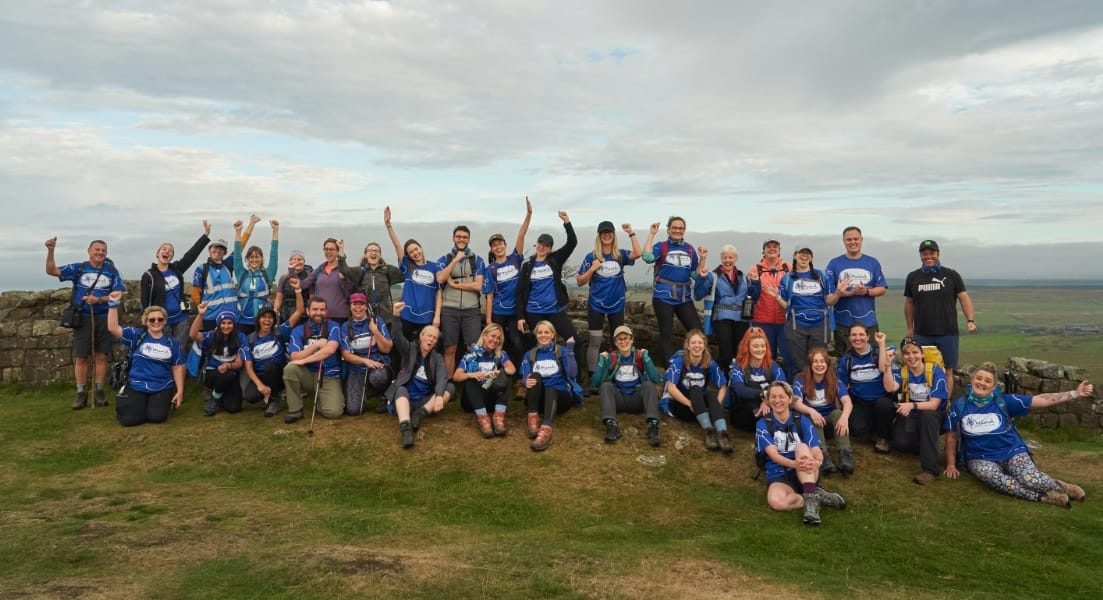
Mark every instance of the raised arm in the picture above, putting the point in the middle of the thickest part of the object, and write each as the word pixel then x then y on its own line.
pixel 196 249
pixel 113 300
pixel 637 251
pixel 274 251
pixel 519 246
pixel 51 266
pixel 392 234
pixel 1084 390
pixel 649 244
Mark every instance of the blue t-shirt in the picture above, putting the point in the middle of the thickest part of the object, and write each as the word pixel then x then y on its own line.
pixel 863 270
pixel 673 275
pixel 501 280
pixel 224 353
pixel 863 380
pixel 807 296
pixel 357 337
pixel 419 385
pixel 686 377
pixel 151 360
pixel 819 399
pixel 918 391
pixel 785 440
pixel 419 292
pixel 548 367
pixel 542 297
pixel 174 294
pixel 608 289
pixel 986 431
pixel 330 332
pixel 84 277
pixel 270 349
pixel 478 360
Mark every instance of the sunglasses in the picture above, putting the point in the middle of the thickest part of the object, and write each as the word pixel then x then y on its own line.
pixel 155 320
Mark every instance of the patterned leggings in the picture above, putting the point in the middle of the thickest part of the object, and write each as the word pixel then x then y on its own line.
pixel 1017 476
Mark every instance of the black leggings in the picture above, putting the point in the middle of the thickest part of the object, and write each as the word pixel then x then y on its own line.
pixel 271 376
pixel 476 397
pixel 664 314
pixel 547 401
pixel 728 334
pixel 702 401
pixel 228 385
pixel 135 408
pixel 514 340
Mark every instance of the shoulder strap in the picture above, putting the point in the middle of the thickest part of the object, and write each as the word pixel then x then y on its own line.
pixel 664 247
pixel 639 361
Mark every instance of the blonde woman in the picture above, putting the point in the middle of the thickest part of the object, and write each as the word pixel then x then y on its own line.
pixel 603 271
pixel 485 372
pixel 156 376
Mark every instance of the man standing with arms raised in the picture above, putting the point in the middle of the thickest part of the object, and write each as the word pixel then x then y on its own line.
pixel 931 294
pixel 858 281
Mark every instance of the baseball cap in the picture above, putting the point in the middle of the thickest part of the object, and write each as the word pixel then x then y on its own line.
pixel 545 239
pixel 495 237
pixel 805 250
pixel 605 227
pixel 219 243
pixel 358 297
pixel 768 242
pixel 928 245
pixel 622 329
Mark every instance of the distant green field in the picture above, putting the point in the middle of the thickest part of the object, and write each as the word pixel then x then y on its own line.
pixel 1002 313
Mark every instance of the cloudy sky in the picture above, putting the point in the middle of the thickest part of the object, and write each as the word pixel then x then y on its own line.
pixel 974 123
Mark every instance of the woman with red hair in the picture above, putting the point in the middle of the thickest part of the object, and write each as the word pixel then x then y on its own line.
pixel 752 371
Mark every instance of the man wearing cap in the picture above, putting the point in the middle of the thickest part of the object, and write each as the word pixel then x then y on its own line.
pixel 460 275
pixel 931 295
pixel 768 316
pixel 213 281
pixel 626 380
pixel 859 281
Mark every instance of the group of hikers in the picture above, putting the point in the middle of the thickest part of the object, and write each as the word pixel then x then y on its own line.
pixel 800 357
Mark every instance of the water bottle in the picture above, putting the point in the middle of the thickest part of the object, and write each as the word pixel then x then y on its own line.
pixel 708 316
pixel 748 308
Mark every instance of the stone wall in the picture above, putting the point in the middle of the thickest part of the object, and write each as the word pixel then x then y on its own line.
pixel 35 351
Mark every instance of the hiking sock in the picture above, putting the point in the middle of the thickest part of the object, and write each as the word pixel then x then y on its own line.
pixel 721 424
pixel 704 420
pixel 499 408
pixel 809 488
pixel 480 411
pixel 216 395
pixel 99 386
pixel 82 387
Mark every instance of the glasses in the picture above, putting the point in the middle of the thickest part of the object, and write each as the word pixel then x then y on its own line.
pixel 155 320
pixel 328 249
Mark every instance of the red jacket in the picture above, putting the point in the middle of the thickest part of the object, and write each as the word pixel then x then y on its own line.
pixel 766 309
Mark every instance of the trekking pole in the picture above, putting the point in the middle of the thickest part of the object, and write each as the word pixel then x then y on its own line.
pixel 363 390
pixel 92 354
pixel 317 388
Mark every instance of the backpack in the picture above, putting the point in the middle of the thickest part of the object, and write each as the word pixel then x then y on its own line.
pixel 769 376
pixel 848 360
pixel 664 247
pixel 471 258
pixel 784 269
pixel 760 456
pixel 931 356
pixel 120 369
pixel 639 365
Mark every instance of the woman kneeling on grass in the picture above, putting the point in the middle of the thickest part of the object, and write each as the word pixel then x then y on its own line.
pixel 548 372
pixel 687 379
pixel 991 447
pixel 156 376
pixel 484 372
pixel 794 454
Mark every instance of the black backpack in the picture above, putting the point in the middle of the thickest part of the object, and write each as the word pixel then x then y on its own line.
pixel 120 369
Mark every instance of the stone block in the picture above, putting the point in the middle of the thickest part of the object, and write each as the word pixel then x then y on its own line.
pixel 1048 370
pixel 1019 363
pixel 1046 419
pixel 13 374
pixel 1067 420
pixel 24 329
pixel 43 327
pixel 1050 385
pixel 1029 384
pixel 1073 373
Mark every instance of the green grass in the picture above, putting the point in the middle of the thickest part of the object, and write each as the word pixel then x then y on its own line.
pixel 238 506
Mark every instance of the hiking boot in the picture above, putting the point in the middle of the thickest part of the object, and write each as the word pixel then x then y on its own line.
pixel 882 446
pixel 612 430
pixel 829 499
pixel 711 442
pixel 485 427
pixel 98 399
pixel 653 433
pixel 925 478
pixel 407 431
pixel 534 425
pixel 381 408
pixel 416 417
pixel 81 400
pixel 725 442
pixel 293 416
pixel 846 461
pixel 1073 491
pixel 272 409
pixel 210 405
pixel 543 439
pixel 811 510
pixel 828 467
pixel 1057 498
pixel 499 422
